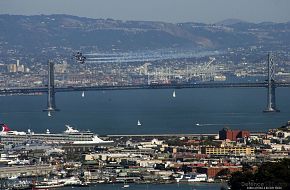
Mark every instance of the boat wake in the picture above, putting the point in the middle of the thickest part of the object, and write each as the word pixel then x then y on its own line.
pixel 226 124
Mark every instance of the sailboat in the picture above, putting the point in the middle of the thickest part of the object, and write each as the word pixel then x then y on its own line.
pixel 139 123
pixel 83 94
pixel 173 94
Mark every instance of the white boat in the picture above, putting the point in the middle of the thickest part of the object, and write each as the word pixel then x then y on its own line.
pixel 12 177
pixel 47 186
pixel 70 136
pixel 173 94
pixel 94 141
pixel 192 178
pixel 126 186
pixel 18 162
pixel 198 178
pixel 4 158
pixel 73 181
pixel 209 180
pixel 83 94
pixel 178 179
pixel 139 123
pixel 70 130
pixel 49 114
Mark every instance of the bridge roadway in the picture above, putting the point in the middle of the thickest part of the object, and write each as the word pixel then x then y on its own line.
pixel 16 91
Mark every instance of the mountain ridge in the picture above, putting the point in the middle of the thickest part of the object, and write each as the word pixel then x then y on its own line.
pixel 60 30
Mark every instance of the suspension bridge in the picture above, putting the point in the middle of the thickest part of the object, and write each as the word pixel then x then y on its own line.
pixel 51 90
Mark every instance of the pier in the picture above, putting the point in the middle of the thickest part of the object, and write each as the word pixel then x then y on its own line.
pixel 25 171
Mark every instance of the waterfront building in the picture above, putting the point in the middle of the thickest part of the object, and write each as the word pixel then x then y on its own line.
pixel 216 171
pixel 232 135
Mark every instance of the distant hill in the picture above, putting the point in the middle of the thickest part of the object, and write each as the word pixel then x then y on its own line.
pixel 229 22
pixel 49 31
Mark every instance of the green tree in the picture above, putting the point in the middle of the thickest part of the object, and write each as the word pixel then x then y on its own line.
pixel 270 174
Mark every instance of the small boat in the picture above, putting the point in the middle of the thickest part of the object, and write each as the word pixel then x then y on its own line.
pixel 20 185
pixel 197 124
pixel 173 94
pixel 83 94
pixel 12 177
pixel 49 114
pixel 139 123
pixel 47 186
pixel 74 182
pixel 126 186
pixel 197 178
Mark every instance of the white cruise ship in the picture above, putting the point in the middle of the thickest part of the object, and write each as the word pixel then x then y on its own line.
pixel 192 178
pixel 69 136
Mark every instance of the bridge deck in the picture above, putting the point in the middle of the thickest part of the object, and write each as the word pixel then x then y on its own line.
pixel 135 87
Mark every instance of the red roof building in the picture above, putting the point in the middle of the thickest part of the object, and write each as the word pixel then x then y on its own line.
pixel 232 135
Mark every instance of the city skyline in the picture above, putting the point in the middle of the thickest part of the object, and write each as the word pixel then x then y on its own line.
pixel 162 10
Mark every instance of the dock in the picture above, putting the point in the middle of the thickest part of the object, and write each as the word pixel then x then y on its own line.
pixel 25 171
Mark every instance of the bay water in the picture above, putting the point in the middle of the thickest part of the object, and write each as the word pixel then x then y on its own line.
pixel 117 112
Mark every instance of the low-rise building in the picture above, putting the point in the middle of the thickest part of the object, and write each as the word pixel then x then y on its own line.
pixel 232 135
pixel 216 171
pixel 228 150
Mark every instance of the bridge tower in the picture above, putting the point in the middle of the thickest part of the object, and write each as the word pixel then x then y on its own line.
pixel 50 93
pixel 271 98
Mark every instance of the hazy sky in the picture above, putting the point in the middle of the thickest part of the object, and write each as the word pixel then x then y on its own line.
pixel 208 11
